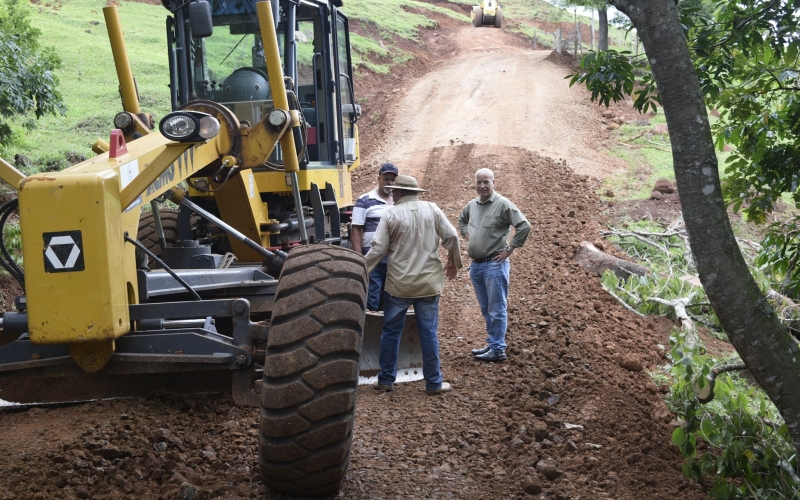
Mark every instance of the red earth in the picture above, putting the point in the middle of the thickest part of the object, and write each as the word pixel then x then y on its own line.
pixel 572 414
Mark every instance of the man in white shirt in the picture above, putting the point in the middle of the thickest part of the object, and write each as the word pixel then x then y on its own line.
pixel 410 233
pixel 367 213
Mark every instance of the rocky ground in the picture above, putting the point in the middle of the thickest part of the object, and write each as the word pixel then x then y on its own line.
pixel 572 414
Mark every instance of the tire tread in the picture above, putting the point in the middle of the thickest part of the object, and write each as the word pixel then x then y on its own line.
pixel 320 425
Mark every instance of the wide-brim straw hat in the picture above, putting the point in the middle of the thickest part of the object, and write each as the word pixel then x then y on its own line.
pixel 406 183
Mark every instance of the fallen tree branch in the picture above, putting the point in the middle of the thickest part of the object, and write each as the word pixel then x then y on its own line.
pixel 687 325
pixel 634 137
pixel 782 300
pixel 649 242
pixel 658 146
pixel 787 468
pixel 676 224
pixel 592 259
pixel 752 244
pixel 624 304
pixel 643 233
pixel 706 394
pixel 704 322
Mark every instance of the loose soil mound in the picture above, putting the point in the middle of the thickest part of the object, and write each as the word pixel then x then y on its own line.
pixel 577 359
pixel 664 210
pixel 564 59
pixel 571 414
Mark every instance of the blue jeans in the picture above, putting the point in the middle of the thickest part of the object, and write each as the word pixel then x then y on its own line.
pixel 490 280
pixel 377 280
pixel 426 310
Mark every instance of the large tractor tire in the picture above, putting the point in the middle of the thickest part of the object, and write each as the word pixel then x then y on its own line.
pixel 498 18
pixel 311 371
pixel 477 21
pixel 148 235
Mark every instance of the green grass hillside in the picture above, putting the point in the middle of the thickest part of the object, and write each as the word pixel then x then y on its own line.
pixel 88 82
pixel 381 23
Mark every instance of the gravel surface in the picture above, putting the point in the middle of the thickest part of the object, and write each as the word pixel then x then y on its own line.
pixel 572 413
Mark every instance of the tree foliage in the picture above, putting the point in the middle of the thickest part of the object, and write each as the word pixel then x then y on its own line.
pixel 742 61
pixel 28 87
pixel 747 61
pixel 610 76
pixel 747 58
pixel 738 441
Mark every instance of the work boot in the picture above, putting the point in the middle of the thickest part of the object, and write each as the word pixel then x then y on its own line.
pixel 381 387
pixel 434 392
pixel 482 350
pixel 492 355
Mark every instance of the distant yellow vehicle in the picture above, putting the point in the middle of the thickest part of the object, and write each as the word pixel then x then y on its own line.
pixel 488 13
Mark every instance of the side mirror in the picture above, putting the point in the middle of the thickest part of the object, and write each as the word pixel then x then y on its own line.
pixel 351 111
pixel 200 19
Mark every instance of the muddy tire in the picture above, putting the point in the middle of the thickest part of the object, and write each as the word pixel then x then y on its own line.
pixel 498 18
pixel 148 235
pixel 311 371
pixel 478 20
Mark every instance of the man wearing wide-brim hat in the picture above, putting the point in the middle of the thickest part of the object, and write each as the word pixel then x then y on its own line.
pixel 410 233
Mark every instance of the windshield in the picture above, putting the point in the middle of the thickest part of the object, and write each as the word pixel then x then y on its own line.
pixel 229 67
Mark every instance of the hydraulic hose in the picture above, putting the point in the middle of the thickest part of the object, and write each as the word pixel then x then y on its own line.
pixel 273 261
pixel 162 264
pixel 8 263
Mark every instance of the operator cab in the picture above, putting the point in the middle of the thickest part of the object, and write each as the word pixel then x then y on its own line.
pixel 216 54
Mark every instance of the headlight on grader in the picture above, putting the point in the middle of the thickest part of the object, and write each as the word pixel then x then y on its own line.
pixel 189 126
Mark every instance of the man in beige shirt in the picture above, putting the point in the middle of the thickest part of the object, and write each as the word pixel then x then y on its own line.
pixel 486 221
pixel 410 233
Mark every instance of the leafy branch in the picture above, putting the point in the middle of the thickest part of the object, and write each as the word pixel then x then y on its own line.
pixel 731 434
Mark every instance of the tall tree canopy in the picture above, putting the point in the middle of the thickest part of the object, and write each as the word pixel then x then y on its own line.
pixel 28 87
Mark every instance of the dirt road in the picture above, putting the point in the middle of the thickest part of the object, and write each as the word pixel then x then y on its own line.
pixel 572 413
pixel 495 92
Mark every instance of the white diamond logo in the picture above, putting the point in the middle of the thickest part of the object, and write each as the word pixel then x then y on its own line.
pixel 61 242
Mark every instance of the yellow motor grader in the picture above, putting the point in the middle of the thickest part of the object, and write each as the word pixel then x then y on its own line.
pixel 234 277
pixel 488 13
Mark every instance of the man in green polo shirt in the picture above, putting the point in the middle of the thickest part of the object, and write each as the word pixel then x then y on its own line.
pixel 486 222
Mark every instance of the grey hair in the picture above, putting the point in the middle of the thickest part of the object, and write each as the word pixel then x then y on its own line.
pixel 484 171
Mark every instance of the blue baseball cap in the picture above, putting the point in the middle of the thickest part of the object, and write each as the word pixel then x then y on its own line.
pixel 388 168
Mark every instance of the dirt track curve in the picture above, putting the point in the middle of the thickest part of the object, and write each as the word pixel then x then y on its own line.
pixel 494 91
pixel 572 414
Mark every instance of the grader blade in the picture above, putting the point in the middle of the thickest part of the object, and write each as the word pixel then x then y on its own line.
pixel 409 360
pixel 70 384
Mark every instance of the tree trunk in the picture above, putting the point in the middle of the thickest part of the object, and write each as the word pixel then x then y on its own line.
pixel 593 259
pixel 764 345
pixel 602 28
pixel 558 40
